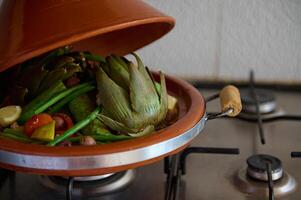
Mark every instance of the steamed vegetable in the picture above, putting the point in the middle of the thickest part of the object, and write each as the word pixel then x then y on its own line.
pixel 9 115
pixel 78 126
pixel 130 99
pixel 17 134
pixel 106 137
pixel 171 101
pixel 80 108
pixel 100 99
pixel 43 98
pixel 16 137
pixel 87 140
pixel 35 107
pixel 28 77
pixel 59 74
pixel 92 57
pixel 62 122
pixel 45 133
pixel 70 97
pixel 35 122
pixel 60 96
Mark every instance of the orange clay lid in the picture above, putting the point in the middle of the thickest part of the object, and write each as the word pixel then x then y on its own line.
pixel 29 28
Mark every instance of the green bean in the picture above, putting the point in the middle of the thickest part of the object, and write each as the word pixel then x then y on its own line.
pixel 56 53
pixel 70 97
pixel 16 137
pixel 58 97
pixel 28 110
pixel 79 125
pixel 94 57
pixel 16 131
pixel 110 137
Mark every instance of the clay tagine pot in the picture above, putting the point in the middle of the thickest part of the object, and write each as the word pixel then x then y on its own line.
pixel 30 28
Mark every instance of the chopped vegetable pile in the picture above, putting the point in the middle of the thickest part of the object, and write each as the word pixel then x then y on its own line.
pixel 70 98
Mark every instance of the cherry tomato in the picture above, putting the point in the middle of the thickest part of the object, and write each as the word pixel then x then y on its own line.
pixel 35 122
pixel 63 122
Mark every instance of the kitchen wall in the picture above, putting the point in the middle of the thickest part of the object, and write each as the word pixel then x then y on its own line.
pixel 224 39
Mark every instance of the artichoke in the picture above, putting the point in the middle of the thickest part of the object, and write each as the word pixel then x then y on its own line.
pixel 131 101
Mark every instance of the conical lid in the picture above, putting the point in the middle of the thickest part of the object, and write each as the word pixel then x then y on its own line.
pixel 29 28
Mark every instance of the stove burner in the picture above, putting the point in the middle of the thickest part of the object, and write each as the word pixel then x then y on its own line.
pixel 266 100
pixel 257 167
pixel 259 189
pixel 91 186
pixel 90 178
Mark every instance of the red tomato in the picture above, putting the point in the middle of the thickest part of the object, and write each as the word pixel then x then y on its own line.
pixel 35 122
pixel 63 122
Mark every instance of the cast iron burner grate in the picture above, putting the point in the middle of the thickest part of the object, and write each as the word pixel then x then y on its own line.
pixel 175 167
pixel 266 101
pixel 260 106
pixel 90 185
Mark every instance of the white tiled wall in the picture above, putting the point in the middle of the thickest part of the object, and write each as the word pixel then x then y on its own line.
pixel 224 39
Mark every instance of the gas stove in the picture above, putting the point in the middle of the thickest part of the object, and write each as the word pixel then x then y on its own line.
pixel 250 157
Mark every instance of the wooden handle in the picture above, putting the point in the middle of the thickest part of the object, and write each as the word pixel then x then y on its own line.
pixel 230 98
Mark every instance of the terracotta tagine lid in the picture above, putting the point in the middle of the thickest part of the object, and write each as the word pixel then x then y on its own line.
pixel 29 28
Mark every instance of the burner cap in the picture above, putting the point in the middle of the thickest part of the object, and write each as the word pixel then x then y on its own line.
pixel 91 186
pixel 257 167
pixel 266 100
pixel 259 189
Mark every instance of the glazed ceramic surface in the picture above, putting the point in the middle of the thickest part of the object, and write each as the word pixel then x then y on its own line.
pixel 29 28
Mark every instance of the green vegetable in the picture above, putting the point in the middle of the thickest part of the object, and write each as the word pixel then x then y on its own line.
pixel 78 126
pixel 17 134
pixel 59 74
pixel 110 137
pixel 106 137
pixel 28 78
pixel 56 53
pixel 60 96
pixel 92 57
pixel 69 98
pixel 80 108
pixel 15 137
pixel 62 61
pixel 118 73
pixel 15 131
pixel 40 106
pixel 131 105
pixel 32 84
pixel 172 101
pixel 28 110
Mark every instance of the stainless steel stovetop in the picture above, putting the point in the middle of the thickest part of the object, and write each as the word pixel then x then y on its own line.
pixel 208 176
